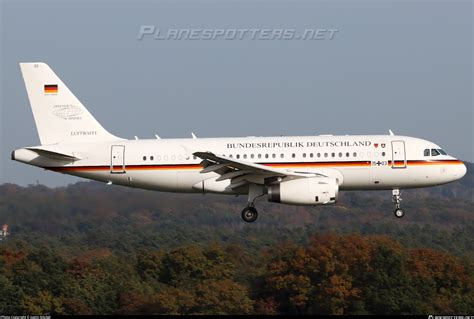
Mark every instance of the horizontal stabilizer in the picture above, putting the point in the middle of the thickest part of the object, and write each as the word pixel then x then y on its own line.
pixel 54 154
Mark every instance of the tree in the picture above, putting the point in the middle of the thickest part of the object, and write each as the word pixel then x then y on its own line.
pixel 44 303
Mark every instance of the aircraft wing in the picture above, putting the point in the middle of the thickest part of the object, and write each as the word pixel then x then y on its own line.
pixel 242 172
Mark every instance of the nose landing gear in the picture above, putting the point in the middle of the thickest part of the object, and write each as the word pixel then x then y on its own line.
pixel 396 199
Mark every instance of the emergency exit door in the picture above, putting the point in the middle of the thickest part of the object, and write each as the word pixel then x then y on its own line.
pixel 117 159
pixel 398 154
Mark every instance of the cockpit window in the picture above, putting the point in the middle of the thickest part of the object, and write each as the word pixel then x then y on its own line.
pixel 434 152
pixel 442 152
pixel 427 152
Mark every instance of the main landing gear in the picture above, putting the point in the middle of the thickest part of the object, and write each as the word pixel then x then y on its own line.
pixel 249 213
pixel 396 199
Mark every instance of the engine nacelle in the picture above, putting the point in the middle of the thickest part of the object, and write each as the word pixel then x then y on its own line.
pixel 305 191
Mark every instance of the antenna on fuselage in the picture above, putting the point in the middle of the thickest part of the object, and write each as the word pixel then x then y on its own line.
pixel 157 137
pixel 136 137
pixel 391 133
pixel 194 136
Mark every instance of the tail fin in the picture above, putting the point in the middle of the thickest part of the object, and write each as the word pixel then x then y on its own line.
pixel 60 117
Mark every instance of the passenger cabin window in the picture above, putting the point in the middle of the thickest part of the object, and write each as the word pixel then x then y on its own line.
pixel 434 152
pixel 426 152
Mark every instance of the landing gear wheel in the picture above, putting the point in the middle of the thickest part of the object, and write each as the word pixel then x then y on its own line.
pixel 249 214
pixel 396 199
pixel 399 213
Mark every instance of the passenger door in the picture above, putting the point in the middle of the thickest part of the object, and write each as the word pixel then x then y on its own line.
pixel 398 154
pixel 117 159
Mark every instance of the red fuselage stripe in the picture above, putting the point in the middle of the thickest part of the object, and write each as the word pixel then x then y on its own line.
pixel 286 165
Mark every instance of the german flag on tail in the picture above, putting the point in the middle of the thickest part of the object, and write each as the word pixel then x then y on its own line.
pixel 50 88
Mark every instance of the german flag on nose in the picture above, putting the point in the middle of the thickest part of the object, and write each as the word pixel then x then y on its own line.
pixel 50 88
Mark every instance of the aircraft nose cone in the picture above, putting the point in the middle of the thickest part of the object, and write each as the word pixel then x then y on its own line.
pixel 460 171
pixel 463 170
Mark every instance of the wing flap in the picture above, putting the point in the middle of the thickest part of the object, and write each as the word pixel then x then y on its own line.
pixel 240 172
pixel 213 168
pixel 243 165
pixel 233 174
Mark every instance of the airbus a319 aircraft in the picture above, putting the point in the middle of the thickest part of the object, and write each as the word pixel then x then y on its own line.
pixel 299 170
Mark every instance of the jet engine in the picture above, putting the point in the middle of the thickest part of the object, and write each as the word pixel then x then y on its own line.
pixel 305 191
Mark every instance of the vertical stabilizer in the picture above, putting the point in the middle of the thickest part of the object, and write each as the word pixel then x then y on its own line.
pixel 60 117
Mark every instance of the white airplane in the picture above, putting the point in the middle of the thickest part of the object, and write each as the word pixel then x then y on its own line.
pixel 299 170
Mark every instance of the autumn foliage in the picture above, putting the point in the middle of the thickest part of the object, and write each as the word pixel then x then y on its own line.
pixel 333 274
pixel 93 249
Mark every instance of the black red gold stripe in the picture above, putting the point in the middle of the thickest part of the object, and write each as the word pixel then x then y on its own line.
pixel 276 165
pixel 128 167
pixel 51 88
pixel 433 162
pixel 319 164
